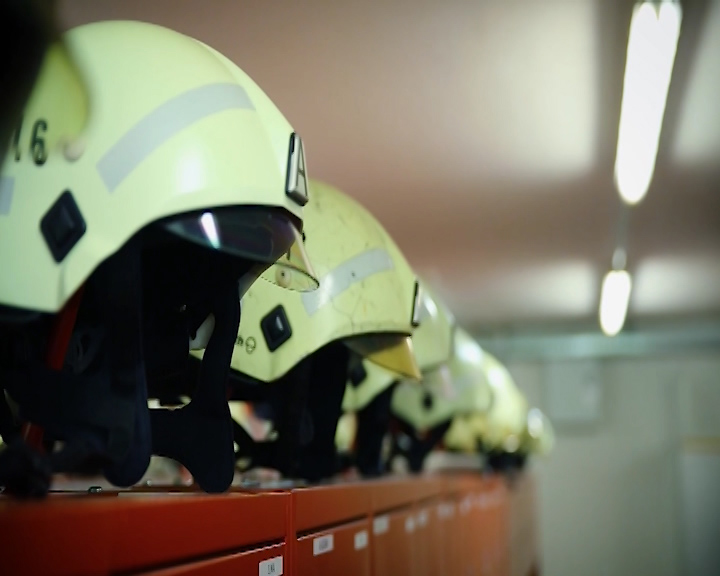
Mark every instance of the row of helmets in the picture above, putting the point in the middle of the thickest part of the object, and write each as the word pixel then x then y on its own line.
pixel 160 241
pixel 466 402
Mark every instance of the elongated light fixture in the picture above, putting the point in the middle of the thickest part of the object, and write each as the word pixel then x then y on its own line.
pixel 614 300
pixel 654 32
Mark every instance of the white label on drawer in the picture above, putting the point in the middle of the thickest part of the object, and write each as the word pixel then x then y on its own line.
pixel 480 501
pixel 446 511
pixel 271 567
pixel 465 506
pixel 381 524
pixel 422 518
pixel 323 544
pixel 410 524
pixel 361 540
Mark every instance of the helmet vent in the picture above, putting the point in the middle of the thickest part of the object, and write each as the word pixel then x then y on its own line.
pixel 276 328
pixel 62 226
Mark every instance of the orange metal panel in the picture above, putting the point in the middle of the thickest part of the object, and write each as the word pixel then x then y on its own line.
pixel 463 483
pixel 69 536
pixel 344 550
pixel 392 540
pixel 267 561
pixel 492 505
pixel 393 493
pixel 158 529
pixel 330 505
pixel 427 546
pixel 450 537
pixel 468 537
pixel 430 486
pixel 424 526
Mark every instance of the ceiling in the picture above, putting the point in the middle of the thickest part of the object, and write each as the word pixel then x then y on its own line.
pixel 482 134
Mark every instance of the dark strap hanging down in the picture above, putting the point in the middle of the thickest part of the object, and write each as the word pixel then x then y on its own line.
pixel 200 435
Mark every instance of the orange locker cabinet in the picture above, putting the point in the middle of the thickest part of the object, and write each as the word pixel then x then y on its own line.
pixel 107 534
pixel 426 544
pixel 269 561
pixel 322 506
pixel 469 537
pixel 450 536
pixel 389 494
pixel 493 527
pixel 58 537
pixel 392 543
pixel 344 550
pixel 153 530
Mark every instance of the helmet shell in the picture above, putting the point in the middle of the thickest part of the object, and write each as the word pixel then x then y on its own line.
pixel 171 130
pixel 367 289
pixel 458 387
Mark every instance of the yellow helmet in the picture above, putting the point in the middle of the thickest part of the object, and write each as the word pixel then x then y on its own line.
pixel 185 184
pixel 370 381
pixel 367 304
pixel 369 393
pixel 459 387
pixel 182 131
pixel 432 342
pixel 501 427
pixel 366 296
pixel 538 436
pixel 460 436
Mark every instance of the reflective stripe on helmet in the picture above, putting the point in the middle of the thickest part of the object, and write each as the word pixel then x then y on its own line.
pixel 163 123
pixel 345 275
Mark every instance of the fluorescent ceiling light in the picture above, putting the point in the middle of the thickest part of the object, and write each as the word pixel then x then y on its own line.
pixel 614 301
pixel 654 33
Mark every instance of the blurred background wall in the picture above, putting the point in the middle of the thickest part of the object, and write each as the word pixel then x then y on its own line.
pixel 637 491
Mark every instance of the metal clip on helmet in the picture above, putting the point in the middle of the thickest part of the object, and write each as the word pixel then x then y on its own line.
pixel 499 429
pixel 425 412
pixel 305 344
pixel 370 394
pixel 118 243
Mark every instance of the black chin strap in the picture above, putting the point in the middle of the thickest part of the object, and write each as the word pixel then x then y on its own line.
pixel 307 402
pixel 97 404
pixel 373 423
pixel 200 435
pixel 418 448
pixel 288 397
pixel 328 379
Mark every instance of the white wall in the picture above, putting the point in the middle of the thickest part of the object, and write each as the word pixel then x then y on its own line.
pixel 613 496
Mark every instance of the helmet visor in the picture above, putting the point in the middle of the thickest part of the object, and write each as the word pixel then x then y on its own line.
pixel 390 351
pixel 265 235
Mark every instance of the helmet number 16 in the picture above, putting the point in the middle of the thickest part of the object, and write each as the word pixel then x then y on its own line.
pixel 38 151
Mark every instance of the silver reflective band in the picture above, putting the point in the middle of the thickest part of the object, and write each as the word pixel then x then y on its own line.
pixel 297 186
pixel 7 186
pixel 344 276
pixel 165 122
